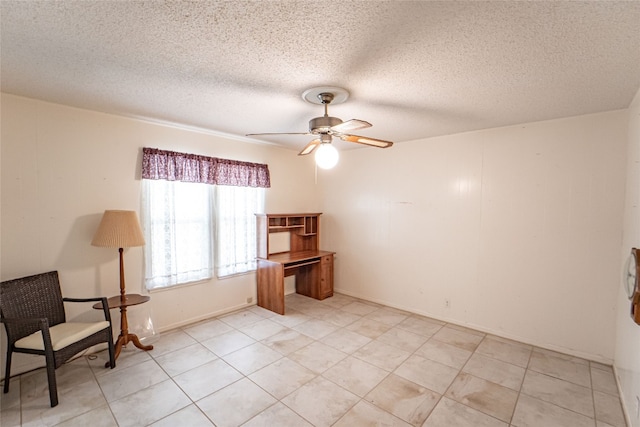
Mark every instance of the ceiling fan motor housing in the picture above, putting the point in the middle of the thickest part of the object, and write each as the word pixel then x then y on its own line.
pixel 322 124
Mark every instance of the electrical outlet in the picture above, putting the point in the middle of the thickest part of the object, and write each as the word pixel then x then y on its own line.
pixel 447 303
pixel 249 300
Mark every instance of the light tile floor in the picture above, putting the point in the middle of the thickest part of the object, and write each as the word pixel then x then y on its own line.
pixel 337 362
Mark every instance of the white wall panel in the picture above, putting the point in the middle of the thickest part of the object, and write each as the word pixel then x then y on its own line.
pixel 519 228
pixel 627 354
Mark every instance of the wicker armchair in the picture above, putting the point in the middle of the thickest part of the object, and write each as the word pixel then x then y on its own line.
pixel 32 311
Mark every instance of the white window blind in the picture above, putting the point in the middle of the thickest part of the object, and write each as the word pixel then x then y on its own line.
pixel 235 228
pixel 177 219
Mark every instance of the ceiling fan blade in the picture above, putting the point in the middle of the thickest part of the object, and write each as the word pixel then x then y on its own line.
pixel 366 140
pixel 310 147
pixel 350 125
pixel 278 133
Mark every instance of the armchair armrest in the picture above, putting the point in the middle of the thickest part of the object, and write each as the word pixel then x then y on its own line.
pixel 21 329
pixel 83 299
pixel 103 300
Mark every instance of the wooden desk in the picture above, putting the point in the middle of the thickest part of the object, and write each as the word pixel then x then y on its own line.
pixel 125 337
pixel 314 276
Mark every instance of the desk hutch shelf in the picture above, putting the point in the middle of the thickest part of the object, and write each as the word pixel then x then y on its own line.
pixel 303 230
pixel 312 267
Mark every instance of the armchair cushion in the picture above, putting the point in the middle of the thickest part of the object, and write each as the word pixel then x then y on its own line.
pixel 62 335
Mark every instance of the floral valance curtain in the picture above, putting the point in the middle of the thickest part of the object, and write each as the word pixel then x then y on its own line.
pixel 174 166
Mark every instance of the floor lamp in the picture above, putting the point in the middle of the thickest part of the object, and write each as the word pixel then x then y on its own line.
pixel 121 229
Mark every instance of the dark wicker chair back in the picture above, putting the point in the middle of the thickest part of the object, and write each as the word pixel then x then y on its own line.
pixel 35 304
pixel 37 296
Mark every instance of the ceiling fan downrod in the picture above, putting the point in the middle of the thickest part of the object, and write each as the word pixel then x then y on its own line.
pixel 322 125
pixel 325 98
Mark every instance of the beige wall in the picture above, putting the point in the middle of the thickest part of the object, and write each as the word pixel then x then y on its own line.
pixel 518 228
pixel 62 167
pixel 627 354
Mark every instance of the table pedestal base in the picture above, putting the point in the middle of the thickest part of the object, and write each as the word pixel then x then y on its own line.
pixel 123 340
pixel 123 301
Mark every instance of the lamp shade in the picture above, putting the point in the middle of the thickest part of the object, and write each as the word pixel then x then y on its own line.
pixel 118 229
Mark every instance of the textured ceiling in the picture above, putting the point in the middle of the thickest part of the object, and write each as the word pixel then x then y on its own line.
pixel 413 69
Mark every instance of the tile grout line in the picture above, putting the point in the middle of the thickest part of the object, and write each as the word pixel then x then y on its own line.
pixel 317 315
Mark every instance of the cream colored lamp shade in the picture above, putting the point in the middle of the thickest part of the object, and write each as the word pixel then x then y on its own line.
pixel 118 229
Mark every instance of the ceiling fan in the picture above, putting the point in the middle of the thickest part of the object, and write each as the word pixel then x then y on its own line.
pixel 326 127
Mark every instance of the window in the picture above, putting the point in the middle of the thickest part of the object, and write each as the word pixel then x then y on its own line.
pixel 235 230
pixel 177 220
pixel 199 215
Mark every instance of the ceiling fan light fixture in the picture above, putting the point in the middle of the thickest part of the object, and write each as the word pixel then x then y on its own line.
pixel 326 156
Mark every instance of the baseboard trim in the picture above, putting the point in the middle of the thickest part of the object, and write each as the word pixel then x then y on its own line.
pixel 202 317
pixel 546 346
pixel 623 401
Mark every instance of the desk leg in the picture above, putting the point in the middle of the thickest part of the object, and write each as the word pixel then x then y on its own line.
pixel 270 281
pixel 125 337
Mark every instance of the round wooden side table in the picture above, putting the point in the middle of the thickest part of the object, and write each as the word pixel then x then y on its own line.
pixel 122 302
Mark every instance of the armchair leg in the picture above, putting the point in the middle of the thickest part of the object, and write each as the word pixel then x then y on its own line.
pixel 112 356
pixel 7 376
pixel 51 376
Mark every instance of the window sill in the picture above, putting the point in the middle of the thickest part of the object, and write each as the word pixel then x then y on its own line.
pixel 180 285
pixel 230 276
pixel 199 282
